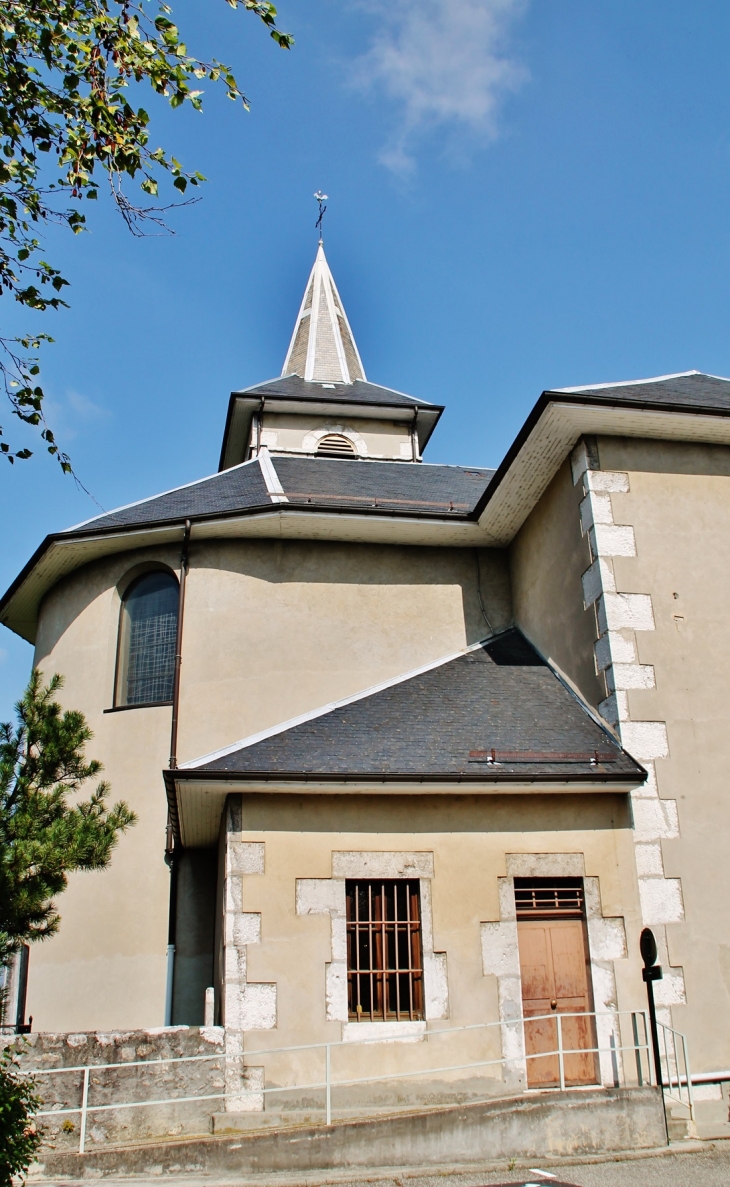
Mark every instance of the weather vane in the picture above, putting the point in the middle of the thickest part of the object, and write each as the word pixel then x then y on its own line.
pixel 321 198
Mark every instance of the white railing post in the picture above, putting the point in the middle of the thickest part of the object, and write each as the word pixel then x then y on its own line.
pixel 666 1058
pixel 561 1058
pixel 690 1093
pixel 329 1084
pixel 84 1107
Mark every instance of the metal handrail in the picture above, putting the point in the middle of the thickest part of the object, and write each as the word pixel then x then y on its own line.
pixel 328 1083
pixel 673 1041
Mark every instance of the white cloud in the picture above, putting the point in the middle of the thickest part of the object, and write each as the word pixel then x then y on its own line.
pixel 70 415
pixel 444 63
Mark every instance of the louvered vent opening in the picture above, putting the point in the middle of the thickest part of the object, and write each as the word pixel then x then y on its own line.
pixel 549 898
pixel 336 445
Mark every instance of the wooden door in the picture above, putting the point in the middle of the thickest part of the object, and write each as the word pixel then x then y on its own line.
pixel 556 980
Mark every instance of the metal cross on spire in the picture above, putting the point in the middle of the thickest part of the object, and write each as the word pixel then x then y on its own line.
pixel 321 199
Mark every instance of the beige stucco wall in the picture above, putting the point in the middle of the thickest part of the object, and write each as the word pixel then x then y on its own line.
pixel 272 629
pixel 106 967
pixel 287 627
pixel 547 558
pixel 679 506
pixel 377 438
pixel 468 839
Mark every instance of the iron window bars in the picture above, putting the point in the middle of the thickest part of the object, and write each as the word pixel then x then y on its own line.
pixel 384 950
pixel 549 898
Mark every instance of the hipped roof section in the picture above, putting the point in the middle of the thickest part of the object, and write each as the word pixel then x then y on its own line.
pixel 334 400
pixel 385 502
pixel 496 713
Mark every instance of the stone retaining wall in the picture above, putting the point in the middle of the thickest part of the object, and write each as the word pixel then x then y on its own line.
pixel 136 1075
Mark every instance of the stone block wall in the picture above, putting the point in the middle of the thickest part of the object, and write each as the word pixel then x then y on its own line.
pixel 136 1074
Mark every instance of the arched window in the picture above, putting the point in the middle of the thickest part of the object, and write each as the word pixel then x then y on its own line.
pixel 336 445
pixel 147 637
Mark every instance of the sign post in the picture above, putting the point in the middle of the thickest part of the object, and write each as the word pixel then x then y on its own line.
pixel 652 972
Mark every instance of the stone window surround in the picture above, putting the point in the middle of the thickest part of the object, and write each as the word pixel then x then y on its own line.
pixel 326 896
pixel 500 958
pixel 313 438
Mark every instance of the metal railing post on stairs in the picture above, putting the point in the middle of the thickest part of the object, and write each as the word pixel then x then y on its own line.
pixel 561 1057
pixel 329 1085
pixel 84 1109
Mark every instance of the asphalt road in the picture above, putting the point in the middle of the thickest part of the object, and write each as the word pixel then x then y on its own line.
pixel 705 1168
pixel 710 1168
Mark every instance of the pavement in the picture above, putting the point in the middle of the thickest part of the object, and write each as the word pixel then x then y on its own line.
pixel 707 1165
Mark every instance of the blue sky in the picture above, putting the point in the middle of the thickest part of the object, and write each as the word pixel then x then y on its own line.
pixel 523 194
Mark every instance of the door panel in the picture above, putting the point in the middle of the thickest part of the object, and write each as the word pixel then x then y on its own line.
pixel 555 979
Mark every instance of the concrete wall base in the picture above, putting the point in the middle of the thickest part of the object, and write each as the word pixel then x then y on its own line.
pixel 551 1124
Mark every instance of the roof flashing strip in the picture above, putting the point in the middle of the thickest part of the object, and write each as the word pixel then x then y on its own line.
pixel 274 488
pixel 594 387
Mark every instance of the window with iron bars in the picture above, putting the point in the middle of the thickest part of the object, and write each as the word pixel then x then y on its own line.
pixel 384 950
pixel 549 898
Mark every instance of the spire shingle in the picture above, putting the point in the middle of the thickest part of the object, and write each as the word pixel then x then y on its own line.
pixel 322 349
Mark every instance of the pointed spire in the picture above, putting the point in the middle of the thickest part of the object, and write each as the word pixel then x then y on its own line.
pixel 322 349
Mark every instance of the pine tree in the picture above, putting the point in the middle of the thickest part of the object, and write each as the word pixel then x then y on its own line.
pixel 19 1138
pixel 46 831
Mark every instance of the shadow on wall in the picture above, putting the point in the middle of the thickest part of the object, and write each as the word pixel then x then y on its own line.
pixel 481 574
pixel 194 934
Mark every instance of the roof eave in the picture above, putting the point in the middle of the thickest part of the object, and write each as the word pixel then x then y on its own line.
pixel 23 624
pixel 554 399
pixel 377 779
pixel 201 829
pixel 243 405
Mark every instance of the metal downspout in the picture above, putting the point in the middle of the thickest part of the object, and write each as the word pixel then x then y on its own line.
pixel 171 854
pixel 415 451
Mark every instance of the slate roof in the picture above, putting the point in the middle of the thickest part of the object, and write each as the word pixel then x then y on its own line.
pixel 692 391
pixel 241 488
pixel 332 483
pixel 364 486
pixel 689 393
pixel 497 713
pixel 293 387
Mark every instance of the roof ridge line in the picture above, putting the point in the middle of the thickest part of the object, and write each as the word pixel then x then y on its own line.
pixel 710 375
pixel 312 714
pixel 274 489
pixel 577 695
pixel 593 387
pixel 160 495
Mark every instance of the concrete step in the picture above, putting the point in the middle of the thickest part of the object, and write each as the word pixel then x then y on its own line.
pixel 678 1128
pixel 551 1124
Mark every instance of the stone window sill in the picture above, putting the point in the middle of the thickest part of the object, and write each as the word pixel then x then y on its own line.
pixel 143 705
pixel 387 1032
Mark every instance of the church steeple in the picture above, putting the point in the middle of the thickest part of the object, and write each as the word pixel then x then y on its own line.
pixel 322 348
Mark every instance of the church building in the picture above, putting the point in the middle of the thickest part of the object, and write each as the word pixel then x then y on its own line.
pixel 412 747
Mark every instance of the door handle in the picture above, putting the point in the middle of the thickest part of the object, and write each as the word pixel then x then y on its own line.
pixel 553 1004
